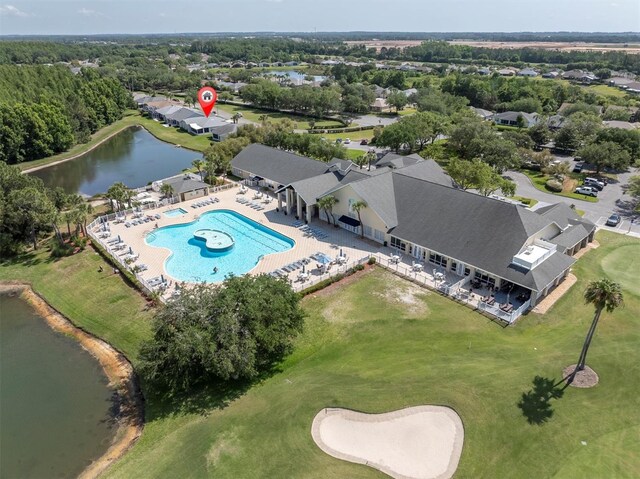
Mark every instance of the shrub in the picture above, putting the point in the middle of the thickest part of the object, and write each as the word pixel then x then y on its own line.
pixel 59 250
pixel 79 241
pixel 554 185
pixel 372 260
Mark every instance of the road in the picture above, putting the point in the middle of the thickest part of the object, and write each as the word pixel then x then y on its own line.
pixel 612 199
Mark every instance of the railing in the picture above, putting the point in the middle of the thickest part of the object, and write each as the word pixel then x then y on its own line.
pixel 454 291
pixel 340 269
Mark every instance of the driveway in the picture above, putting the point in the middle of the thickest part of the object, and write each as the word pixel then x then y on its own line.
pixel 612 199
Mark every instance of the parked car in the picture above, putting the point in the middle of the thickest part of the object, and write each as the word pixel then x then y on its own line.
pixel 578 167
pixel 587 191
pixel 347 141
pixel 364 141
pixel 595 183
pixel 338 140
pixel 614 220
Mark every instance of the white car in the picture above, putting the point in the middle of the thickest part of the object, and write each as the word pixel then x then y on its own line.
pixel 587 191
pixel 347 141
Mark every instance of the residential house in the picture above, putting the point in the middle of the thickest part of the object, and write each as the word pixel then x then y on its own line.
pixel 200 125
pixel 174 117
pixel 620 81
pixel 506 72
pixel 555 122
pixel 484 71
pixel 527 72
pixel 412 207
pixel 410 91
pixel 552 75
pixel 221 132
pixel 512 118
pixel 484 114
pixel 380 105
pixel 625 125
pixel 579 76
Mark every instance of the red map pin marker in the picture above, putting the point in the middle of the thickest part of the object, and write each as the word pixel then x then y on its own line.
pixel 207 97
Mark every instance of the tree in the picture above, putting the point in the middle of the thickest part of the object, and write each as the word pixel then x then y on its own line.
pixel 236 117
pixel 633 189
pixel 167 190
pixel 605 155
pixel 396 136
pixel 539 133
pixel 480 176
pixel 34 209
pixel 604 294
pixel 327 203
pixel 463 173
pixel 118 195
pixel 559 170
pixel 198 165
pixel 357 206
pixel 397 99
pixel 235 332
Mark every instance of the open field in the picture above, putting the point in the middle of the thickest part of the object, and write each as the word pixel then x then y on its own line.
pixel 607 90
pixel 561 46
pixel 352 135
pixel 375 344
pixel 255 114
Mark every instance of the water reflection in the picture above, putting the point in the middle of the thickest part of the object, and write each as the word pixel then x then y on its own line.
pixel 134 157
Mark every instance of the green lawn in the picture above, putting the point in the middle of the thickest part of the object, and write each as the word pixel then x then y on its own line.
pixel 352 135
pixel 254 114
pixel 539 180
pixel 379 343
pixel 606 90
pixel 101 303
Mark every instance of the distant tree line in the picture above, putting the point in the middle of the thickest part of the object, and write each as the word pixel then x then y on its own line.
pixel 44 110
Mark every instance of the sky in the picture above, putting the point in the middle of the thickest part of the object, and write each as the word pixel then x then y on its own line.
pixel 83 17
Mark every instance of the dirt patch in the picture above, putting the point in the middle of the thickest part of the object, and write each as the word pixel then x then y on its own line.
pixel 118 369
pixel 227 445
pixel 569 185
pixel 405 293
pixel 329 290
pixel 587 378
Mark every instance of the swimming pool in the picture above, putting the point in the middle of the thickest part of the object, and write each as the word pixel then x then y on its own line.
pixel 175 212
pixel 193 262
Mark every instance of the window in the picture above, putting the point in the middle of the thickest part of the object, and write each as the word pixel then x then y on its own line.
pixel 467 271
pixel 367 231
pixel 378 235
pixel 454 266
pixel 437 259
pixel 485 278
pixel 397 243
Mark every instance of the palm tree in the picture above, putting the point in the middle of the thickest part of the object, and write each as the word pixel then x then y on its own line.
pixel 603 294
pixel 357 206
pixel 167 190
pixel 327 203
pixel 198 165
pixel 371 157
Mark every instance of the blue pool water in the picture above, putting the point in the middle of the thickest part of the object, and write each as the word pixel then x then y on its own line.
pixel 192 262
pixel 175 212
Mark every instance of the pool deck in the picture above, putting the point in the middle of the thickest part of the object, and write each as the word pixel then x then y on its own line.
pixel 154 258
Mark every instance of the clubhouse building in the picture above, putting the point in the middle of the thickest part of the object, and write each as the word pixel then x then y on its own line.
pixel 414 207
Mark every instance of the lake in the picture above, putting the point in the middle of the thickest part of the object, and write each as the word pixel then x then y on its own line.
pixel 133 156
pixel 295 76
pixel 55 405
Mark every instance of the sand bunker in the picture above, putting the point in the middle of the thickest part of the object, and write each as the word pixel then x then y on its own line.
pixel 423 442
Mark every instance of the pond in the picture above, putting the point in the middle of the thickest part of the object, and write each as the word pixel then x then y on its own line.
pixel 295 76
pixel 55 404
pixel 133 156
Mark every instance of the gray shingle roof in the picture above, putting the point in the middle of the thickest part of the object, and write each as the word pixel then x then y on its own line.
pixel 427 170
pixel 277 165
pixel 183 184
pixel 563 215
pixel 476 230
pixel 571 236
pixel 312 188
pixel 394 160
pixel 183 114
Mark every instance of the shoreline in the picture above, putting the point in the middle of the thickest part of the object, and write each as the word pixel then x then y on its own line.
pixel 117 368
pixel 93 147
pixel 108 137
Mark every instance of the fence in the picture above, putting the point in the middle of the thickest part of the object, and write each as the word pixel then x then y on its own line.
pixel 454 291
pixel 340 269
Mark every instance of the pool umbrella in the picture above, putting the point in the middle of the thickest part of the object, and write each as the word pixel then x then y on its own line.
pixel 119 239
pixel 341 252
pixel 162 278
pixel 130 250
pixel 304 269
